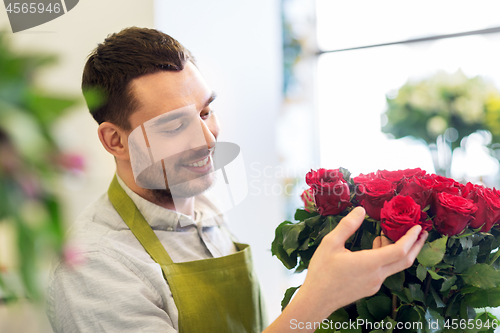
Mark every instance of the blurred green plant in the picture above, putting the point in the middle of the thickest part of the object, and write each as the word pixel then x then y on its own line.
pixel 30 162
pixel 446 107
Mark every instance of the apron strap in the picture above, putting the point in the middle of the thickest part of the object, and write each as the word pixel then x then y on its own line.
pixel 137 224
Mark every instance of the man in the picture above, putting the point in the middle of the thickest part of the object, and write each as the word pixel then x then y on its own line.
pixel 155 256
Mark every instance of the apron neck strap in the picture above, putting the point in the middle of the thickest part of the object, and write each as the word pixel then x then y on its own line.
pixel 137 224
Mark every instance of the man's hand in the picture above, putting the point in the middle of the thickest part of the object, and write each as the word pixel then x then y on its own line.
pixel 342 277
pixel 337 277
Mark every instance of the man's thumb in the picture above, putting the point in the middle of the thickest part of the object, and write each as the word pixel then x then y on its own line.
pixel 347 226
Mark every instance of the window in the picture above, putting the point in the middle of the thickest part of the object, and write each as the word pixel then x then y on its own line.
pixel 353 84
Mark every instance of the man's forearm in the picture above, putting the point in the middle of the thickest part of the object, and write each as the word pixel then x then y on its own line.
pixel 304 310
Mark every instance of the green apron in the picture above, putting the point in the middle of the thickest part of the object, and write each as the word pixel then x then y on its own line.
pixel 212 295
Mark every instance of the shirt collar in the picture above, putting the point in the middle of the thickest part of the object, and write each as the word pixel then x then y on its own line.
pixel 165 219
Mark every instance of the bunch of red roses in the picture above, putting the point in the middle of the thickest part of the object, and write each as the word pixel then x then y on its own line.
pixel 457 272
pixel 404 198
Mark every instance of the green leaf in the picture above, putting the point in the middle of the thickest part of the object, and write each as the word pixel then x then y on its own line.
pixel 330 224
pixel 367 240
pixel 421 272
pixel 486 318
pixel 291 234
pixel 345 173
pixel 435 276
pixel 482 276
pixel 467 311
pixel 409 315
pixel 395 281
pixel 448 283
pixel 408 295
pixel 301 215
pixel 393 324
pixel 288 296
pixel 469 289
pixel 416 292
pixel 301 267
pixel 402 296
pixel 432 253
pixel 363 311
pixel 466 242
pixel 434 321
pixel 466 259
pixel 484 298
pixel 289 261
pixel 437 299
pixel 313 222
pixel 27 253
pixel 379 307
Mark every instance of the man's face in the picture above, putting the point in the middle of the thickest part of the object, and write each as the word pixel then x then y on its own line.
pixel 175 120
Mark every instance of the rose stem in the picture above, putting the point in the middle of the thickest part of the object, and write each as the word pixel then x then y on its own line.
pixel 495 257
pixel 394 306
pixel 428 285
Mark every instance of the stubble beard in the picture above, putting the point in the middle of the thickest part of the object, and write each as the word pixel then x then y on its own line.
pixel 184 190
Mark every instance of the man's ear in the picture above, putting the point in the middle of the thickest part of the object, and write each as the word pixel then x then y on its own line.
pixel 114 140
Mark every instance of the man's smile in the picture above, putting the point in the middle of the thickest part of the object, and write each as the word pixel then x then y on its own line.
pixel 202 165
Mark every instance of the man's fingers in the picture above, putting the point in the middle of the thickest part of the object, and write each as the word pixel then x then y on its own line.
pixel 399 250
pixel 381 241
pixel 377 242
pixel 385 240
pixel 347 226
pixel 407 261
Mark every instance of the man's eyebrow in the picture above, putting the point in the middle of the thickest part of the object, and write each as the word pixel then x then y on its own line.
pixel 163 119
pixel 210 99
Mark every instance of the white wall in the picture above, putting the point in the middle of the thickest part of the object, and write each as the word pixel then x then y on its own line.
pixel 237 45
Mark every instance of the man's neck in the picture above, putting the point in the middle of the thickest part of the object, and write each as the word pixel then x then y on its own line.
pixel 182 205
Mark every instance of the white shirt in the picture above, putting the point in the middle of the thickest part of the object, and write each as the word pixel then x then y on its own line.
pixel 115 286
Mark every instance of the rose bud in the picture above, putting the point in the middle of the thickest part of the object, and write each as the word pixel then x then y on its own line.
pixel 373 194
pixel 399 215
pixel 331 191
pixel 418 189
pixel 453 213
pixel 488 206
pixel 308 198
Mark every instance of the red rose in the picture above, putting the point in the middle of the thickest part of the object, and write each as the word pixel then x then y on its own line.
pixel 396 176
pixel 419 189
pixel 364 178
pixel 373 194
pixel 331 191
pixel 308 198
pixel 448 185
pixel 488 206
pixel 399 215
pixel 453 213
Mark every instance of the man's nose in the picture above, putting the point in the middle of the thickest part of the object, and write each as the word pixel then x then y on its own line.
pixel 210 139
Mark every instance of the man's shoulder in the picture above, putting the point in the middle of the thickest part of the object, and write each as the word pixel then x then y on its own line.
pixel 101 212
pixel 100 238
pixel 99 227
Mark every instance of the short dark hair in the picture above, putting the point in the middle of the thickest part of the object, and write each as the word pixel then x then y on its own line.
pixel 122 57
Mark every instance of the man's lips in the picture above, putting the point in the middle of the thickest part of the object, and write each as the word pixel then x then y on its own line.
pixel 202 165
pixel 199 162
